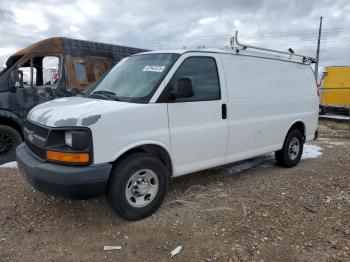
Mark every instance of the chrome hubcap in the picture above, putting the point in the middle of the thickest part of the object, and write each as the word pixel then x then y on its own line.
pixel 141 188
pixel 294 148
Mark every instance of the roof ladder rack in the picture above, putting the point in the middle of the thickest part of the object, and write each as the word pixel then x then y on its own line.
pixel 245 46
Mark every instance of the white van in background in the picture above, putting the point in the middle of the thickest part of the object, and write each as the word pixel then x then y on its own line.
pixel 159 115
pixel 50 76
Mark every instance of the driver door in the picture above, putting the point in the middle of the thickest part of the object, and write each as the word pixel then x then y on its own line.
pixel 198 125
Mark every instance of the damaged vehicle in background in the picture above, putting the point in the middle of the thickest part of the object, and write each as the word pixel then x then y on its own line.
pixel 160 115
pixel 52 68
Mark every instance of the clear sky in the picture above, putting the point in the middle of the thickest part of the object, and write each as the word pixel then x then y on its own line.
pixel 159 24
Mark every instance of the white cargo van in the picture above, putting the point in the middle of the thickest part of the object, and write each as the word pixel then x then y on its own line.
pixel 159 115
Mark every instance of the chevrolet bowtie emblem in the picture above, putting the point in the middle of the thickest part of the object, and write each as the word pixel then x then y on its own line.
pixel 30 136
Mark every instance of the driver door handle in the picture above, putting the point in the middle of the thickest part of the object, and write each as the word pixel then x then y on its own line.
pixel 224 111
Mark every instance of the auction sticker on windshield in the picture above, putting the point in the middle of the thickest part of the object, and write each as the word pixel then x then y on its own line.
pixel 153 68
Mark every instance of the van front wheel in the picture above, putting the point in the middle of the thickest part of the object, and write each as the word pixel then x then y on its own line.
pixel 9 140
pixel 292 150
pixel 137 186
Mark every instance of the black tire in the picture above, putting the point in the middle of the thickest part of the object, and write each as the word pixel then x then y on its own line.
pixel 9 140
pixel 119 181
pixel 286 158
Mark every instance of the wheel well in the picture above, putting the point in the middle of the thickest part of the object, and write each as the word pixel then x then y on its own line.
pixel 12 123
pixel 154 150
pixel 300 126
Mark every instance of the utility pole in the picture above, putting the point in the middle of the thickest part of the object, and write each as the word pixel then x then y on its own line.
pixel 318 50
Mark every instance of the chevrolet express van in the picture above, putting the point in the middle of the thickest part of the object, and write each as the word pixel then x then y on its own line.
pixel 160 115
pixel 52 68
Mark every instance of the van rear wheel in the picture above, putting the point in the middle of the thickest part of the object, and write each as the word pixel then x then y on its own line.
pixel 292 150
pixel 138 186
pixel 9 140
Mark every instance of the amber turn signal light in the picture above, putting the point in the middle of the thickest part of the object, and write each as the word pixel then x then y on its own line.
pixel 67 157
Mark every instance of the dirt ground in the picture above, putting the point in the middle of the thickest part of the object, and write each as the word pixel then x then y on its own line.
pixel 216 215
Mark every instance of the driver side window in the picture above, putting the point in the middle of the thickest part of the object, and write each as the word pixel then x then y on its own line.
pixel 205 79
pixel 39 71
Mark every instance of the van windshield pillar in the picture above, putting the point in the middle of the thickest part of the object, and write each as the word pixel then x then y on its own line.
pixel 31 72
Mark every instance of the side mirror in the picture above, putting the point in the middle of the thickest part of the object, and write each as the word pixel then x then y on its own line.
pixel 183 88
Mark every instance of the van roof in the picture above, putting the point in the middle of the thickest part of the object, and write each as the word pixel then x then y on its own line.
pixel 235 51
pixel 57 45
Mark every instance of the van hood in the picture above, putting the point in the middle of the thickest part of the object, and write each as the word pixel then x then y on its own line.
pixel 71 111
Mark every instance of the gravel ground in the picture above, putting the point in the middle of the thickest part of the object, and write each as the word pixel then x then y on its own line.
pixel 216 215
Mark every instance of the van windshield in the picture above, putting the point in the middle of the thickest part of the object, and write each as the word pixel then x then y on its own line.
pixel 135 78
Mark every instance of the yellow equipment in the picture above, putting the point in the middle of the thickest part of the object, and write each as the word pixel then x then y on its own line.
pixel 335 89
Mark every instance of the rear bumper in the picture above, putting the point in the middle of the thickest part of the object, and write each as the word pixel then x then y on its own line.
pixel 63 181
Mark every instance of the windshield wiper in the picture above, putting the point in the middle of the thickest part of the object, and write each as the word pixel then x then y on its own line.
pixel 105 94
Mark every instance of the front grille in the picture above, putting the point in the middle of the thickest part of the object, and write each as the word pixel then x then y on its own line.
pixel 36 147
pixel 39 152
pixel 37 129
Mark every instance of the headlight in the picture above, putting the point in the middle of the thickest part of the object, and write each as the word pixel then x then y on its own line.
pixel 68 138
pixel 70 145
